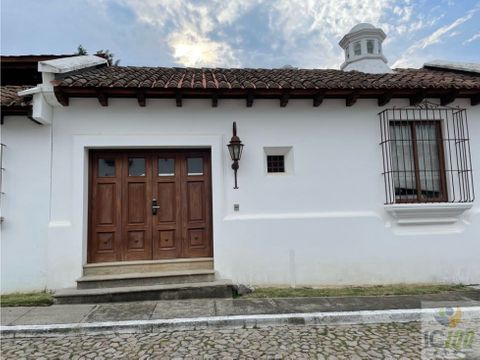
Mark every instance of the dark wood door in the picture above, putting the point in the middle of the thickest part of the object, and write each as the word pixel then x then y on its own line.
pixel 147 205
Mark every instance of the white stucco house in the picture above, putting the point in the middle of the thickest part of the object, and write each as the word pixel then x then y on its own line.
pixel 352 176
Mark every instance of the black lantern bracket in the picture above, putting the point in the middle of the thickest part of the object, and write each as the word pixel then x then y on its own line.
pixel 235 148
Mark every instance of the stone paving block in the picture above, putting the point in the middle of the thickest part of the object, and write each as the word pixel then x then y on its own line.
pixel 184 309
pixel 10 314
pixel 138 310
pixel 55 314
pixel 245 306
pixel 367 341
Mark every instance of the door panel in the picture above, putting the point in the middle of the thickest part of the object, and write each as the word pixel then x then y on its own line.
pixel 167 223
pixel 195 201
pixel 137 200
pixel 123 187
pixel 196 206
pixel 167 200
pixel 105 240
pixel 136 207
pixel 105 214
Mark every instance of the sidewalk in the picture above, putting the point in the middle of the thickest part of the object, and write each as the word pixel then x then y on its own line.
pixel 225 311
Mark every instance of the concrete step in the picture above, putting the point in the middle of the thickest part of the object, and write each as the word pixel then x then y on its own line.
pixel 148 266
pixel 212 289
pixel 145 279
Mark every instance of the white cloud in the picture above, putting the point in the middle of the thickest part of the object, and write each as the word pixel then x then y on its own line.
pixel 192 29
pixel 411 56
pixel 303 33
pixel 310 30
pixel 191 49
pixel 307 30
pixel 473 38
pixel 436 36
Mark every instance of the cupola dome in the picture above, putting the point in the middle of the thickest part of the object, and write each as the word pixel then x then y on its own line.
pixel 363 50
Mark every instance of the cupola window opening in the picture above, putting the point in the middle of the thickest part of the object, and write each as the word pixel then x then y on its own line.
pixel 357 48
pixel 370 45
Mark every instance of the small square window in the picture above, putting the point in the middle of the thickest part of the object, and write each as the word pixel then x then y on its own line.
pixel 275 163
pixel 136 167
pixel 166 167
pixel 195 166
pixel 278 160
pixel 106 167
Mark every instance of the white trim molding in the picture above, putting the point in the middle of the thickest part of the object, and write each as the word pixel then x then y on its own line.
pixel 427 214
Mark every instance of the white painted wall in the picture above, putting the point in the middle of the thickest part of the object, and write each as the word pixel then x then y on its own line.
pixel 25 204
pixel 324 224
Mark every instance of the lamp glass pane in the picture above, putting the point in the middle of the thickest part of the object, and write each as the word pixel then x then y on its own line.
pixel 230 150
pixel 236 151
pixel 240 151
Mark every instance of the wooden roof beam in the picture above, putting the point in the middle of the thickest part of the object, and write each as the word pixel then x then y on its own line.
pixel 284 100
pixel 141 98
pixel 475 100
pixel 351 99
pixel 249 102
pixel 417 98
pixel 102 98
pixel 62 97
pixel 384 99
pixel 318 99
pixel 178 99
pixel 448 98
pixel 214 100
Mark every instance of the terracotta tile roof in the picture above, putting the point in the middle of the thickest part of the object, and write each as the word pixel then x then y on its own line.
pixel 289 79
pixel 10 98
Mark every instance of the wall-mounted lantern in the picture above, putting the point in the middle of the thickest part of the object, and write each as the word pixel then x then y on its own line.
pixel 235 148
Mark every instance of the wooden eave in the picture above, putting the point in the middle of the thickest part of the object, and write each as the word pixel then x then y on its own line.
pixel 16 110
pixel 383 96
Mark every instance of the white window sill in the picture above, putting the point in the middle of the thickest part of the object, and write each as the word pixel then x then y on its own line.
pixel 427 214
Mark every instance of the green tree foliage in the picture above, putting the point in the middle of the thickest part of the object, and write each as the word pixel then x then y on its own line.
pixel 103 53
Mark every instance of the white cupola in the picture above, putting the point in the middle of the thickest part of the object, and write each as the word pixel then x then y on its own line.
pixel 363 50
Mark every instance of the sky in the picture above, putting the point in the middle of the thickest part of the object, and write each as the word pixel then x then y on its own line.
pixel 241 33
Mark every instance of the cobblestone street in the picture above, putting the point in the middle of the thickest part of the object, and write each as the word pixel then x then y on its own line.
pixel 376 341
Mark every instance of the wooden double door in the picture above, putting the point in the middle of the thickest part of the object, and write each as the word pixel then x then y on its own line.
pixel 149 205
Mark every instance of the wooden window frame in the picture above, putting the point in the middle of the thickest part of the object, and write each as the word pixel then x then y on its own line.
pixel 441 159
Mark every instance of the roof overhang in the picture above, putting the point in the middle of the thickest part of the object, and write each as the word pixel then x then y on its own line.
pixel 471 68
pixel 446 96
pixel 16 110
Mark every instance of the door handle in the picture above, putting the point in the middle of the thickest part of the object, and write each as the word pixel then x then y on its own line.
pixel 155 207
